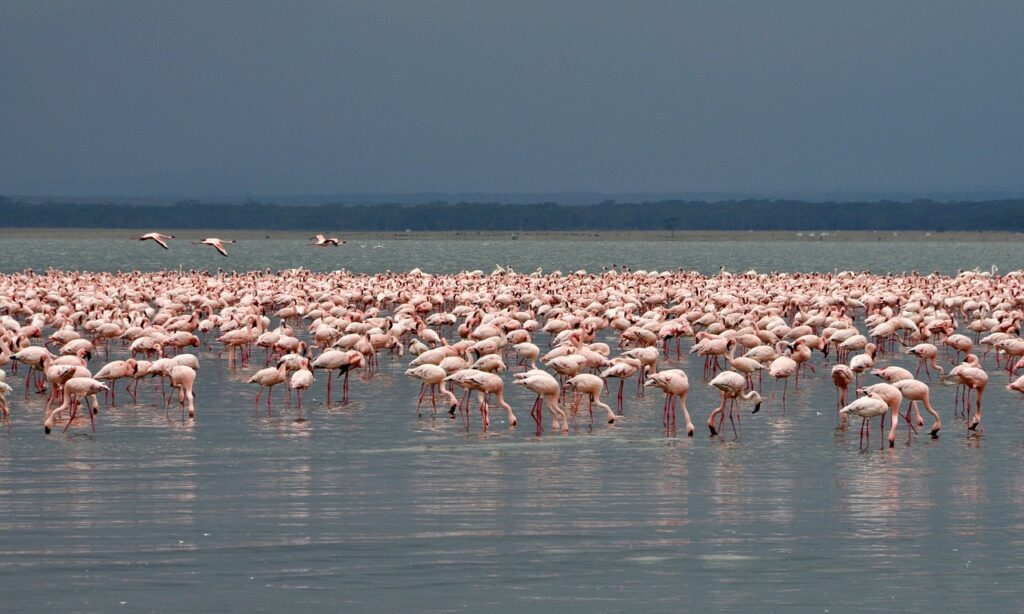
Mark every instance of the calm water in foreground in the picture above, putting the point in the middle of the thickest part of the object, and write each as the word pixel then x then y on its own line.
pixel 364 506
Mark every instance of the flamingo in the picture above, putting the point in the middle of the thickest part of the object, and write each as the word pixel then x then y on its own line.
pixel 866 407
pixel 5 389
pixel 324 241
pixel 591 386
pixel 1017 385
pixel 114 371
pixel 547 390
pixel 781 368
pixel 218 244
pixel 77 388
pixel 743 365
pixel 915 391
pixel 730 385
pixel 527 351
pixel 972 377
pixel 301 380
pixel 892 374
pixel 268 378
pixel 927 355
pixel 960 343
pixel 842 377
pixel 342 362
pixel 183 378
pixel 487 384
pixel 623 369
pixel 155 237
pixel 863 362
pixel 433 376
pixel 893 398
pixel 676 385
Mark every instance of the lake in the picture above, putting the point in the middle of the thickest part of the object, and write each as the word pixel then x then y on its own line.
pixel 365 506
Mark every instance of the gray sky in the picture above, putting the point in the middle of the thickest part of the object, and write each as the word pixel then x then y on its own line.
pixel 225 98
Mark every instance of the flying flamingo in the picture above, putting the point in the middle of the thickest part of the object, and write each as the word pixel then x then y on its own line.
pixel 324 241
pixel 156 237
pixel 218 244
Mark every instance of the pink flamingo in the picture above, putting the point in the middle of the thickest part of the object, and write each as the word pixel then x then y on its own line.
pixel 591 386
pixel 487 384
pixel 623 369
pixel 915 391
pixel 324 241
pixel 217 244
pixel 866 407
pixel 433 376
pixel 77 389
pixel 676 385
pixel 301 380
pixel 893 399
pixel 183 378
pixel 155 237
pixel 113 371
pixel 547 390
pixel 781 368
pixel 268 378
pixel 730 387
pixel 342 361
pixel 927 355
pixel 842 377
pixel 972 377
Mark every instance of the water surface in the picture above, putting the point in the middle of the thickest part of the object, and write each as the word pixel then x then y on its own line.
pixel 365 506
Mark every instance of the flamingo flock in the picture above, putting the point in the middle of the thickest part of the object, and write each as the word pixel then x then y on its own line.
pixel 219 244
pixel 565 338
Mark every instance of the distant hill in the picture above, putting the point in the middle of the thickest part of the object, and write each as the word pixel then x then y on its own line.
pixel 1000 215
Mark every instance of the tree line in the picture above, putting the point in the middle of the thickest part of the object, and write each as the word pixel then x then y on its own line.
pixel 1001 215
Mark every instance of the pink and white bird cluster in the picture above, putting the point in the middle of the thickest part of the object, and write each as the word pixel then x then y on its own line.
pixel 578 337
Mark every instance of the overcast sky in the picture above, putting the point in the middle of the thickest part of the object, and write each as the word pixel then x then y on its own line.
pixel 225 98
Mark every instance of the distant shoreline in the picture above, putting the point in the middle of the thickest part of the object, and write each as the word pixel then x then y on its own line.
pixel 851 236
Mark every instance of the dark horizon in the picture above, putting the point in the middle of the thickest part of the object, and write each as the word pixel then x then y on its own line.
pixel 523 198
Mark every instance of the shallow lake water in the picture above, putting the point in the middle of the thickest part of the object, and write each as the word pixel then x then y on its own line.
pixel 366 506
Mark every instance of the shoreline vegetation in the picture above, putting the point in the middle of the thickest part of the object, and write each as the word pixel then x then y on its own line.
pixel 531 236
pixel 452 220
